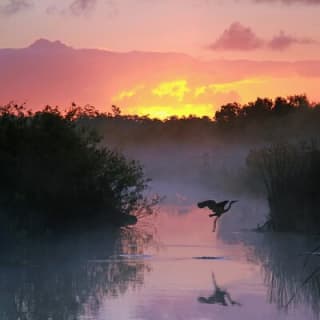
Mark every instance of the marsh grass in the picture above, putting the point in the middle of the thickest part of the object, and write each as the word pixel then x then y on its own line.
pixel 291 176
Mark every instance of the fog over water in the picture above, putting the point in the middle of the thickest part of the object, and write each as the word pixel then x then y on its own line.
pixel 171 265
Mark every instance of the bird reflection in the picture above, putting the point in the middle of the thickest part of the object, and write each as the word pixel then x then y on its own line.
pixel 218 209
pixel 219 296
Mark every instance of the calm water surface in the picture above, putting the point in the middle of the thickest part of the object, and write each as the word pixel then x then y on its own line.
pixel 176 268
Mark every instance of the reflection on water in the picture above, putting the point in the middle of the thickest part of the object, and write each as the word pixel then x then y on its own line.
pixel 219 296
pixel 71 278
pixel 286 266
pixel 182 271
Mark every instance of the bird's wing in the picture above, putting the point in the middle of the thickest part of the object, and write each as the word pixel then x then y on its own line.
pixel 222 203
pixel 211 204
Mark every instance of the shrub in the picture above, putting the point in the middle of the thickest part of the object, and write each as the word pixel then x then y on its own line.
pixel 54 174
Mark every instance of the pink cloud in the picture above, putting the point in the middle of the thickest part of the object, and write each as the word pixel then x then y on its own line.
pixel 283 41
pixel 237 37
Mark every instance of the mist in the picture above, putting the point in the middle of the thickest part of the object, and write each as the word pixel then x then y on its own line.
pixel 187 160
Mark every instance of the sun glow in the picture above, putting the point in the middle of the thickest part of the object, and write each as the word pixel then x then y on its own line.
pixel 200 90
pixel 166 111
pixel 177 89
pixel 182 98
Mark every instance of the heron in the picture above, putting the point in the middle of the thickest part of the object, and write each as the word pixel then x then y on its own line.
pixel 219 296
pixel 218 208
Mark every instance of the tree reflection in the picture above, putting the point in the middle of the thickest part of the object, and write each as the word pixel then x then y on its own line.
pixel 69 279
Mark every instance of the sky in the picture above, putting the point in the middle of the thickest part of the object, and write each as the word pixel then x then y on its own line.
pixel 265 29
pixel 251 30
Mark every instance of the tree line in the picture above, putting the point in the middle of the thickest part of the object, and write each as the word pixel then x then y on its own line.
pixel 260 120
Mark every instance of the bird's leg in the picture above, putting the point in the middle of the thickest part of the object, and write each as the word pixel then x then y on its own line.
pixel 214 281
pixel 215 224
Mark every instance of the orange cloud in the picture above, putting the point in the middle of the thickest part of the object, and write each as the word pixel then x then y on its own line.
pixel 128 93
pixel 176 89
pixel 187 97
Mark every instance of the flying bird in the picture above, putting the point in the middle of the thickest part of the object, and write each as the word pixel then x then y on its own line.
pixel 218 208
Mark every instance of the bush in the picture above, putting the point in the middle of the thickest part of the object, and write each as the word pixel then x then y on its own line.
pixel 55 175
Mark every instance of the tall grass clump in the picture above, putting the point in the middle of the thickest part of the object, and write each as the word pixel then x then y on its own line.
pixel 290 173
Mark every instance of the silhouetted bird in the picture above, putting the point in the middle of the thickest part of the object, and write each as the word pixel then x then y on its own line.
pixel 219 208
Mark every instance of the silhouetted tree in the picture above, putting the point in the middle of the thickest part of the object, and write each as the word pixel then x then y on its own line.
pixel 54 173
pixel 258 110
pixel 228 114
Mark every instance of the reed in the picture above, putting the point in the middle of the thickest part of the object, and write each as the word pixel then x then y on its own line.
pixel 291 176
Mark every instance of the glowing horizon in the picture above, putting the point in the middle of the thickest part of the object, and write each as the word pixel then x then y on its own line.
pixel 181 98
pixel 221 52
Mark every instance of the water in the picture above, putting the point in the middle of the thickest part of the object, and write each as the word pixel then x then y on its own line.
pixel 173 267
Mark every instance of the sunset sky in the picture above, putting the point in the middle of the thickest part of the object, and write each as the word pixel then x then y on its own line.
pixel 253 30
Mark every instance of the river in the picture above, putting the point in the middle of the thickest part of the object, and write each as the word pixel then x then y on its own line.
pixel 170 266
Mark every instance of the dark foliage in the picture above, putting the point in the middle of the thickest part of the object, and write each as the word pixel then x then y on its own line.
pixel 52 162
pixel 259 121
pixel 291 176
pixel 54 174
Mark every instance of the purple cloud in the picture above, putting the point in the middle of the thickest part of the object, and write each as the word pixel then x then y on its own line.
pixel 80 7
pixel 283 41
pixel 84 7
pixel 237 37
pixel 15 6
